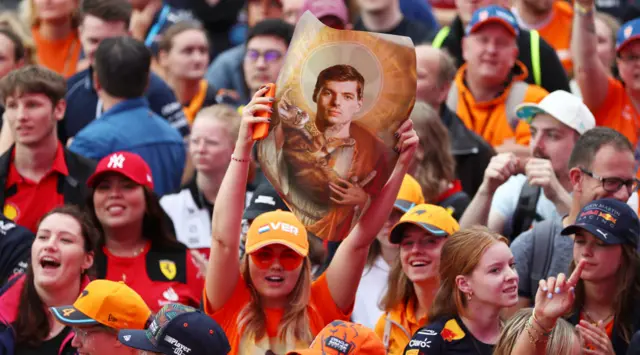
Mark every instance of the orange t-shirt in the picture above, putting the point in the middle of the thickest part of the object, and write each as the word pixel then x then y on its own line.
pixel 557 32
pixel 489 118
pixel 321 311
pixel 617 112
pixel 60 55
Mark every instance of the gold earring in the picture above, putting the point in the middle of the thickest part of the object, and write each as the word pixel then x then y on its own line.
pixel 469 295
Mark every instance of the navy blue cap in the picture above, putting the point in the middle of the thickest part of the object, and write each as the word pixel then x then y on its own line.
pixel 265 199
pixel 611 221
pixel 493 13
pixel 179 329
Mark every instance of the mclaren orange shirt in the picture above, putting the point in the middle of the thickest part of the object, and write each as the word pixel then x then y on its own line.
pixel 60 55
pixel 618 112
pixel 403 325
pixel 321 311
pixel 489 118
pixel 26 200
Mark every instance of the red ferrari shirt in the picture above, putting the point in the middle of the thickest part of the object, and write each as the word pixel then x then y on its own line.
pixel 159 276
pixel 26 200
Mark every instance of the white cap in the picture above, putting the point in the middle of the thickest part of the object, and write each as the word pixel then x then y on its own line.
pixel 564 107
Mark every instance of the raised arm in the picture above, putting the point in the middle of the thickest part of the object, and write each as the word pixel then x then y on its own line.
pixel 345 270
pixel 590 73
pixel 224 266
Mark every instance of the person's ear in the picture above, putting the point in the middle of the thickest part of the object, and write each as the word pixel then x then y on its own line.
pixel 575 177
pixel 462 284
pixel 88 261
pixel 163 56
pixel 465 47
pixel 59 109
pixel 96 83
pixel 444 93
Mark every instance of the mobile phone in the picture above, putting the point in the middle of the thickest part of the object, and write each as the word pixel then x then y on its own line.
pixel 261 130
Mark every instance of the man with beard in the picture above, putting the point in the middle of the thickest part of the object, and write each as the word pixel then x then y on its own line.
pixel 553 20
pixel 556 124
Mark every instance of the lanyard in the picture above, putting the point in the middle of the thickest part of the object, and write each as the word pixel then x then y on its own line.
pixel 157 27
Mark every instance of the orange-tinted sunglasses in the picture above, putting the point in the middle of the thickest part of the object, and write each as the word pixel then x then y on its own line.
pixel 265 257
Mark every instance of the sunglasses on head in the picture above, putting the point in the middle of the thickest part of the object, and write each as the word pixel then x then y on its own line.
pixel 265 257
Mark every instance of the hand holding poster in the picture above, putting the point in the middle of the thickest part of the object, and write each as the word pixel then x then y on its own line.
pixel 340 97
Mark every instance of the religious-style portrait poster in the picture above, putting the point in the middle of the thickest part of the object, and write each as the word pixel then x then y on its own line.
pixel 340 97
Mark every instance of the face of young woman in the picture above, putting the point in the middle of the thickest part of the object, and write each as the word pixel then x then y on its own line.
pixel 58 254
pixel 49 10
pixel 210 145
pixel 189 56
pixel 420 254
pixel 602 261
pixel 118 201
pixel 275 270
pixel 494 281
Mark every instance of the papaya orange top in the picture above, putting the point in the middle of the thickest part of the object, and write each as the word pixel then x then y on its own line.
pixel 608 328
pixel 618 112
pixel 403 325
pixel 321 311
pixel 61 55
pixel 489 118
pixel 557 32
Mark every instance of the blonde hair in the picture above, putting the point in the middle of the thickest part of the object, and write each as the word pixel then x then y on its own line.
pixel 295 324
pixel 11 21
pixel 29 16
pixel 224 113
pixel 562 338
pixel 400 289
pixel 611 22
pixel 460 255
pixel 437 163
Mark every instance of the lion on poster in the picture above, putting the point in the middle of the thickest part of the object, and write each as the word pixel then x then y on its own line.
pixel 340 96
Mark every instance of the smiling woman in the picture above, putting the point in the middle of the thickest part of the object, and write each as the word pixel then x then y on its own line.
pixel 61 257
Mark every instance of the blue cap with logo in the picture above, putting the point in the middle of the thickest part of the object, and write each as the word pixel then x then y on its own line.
pixel 178 329
pixel 611 221
pixel 628 32
pixel 496 14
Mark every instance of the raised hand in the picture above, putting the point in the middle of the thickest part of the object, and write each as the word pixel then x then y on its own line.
pixel 555 297
pixel 407 143
pixel 500 168
pixel 257 104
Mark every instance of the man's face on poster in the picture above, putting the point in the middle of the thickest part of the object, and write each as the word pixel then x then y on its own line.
pixel 338 102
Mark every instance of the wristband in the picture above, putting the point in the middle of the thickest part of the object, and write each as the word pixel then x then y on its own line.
pixel 581 9
pixel 546 332
pixel 240 160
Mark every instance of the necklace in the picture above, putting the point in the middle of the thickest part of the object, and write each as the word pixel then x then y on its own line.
pixel 592 320
pixel 136 252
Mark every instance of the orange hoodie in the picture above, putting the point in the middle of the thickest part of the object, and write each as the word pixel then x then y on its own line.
pixel 489 118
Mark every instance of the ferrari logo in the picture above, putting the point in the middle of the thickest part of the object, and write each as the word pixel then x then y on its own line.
pixel 168 269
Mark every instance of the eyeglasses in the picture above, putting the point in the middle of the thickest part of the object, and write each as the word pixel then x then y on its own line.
pixel 83 333
pixel 629 58
pixel 613 184
pixel 288 259
pixel 269 56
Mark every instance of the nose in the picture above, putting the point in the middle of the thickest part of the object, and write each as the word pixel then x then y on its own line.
pixel 261 62
pixel 512 273
pixel 622 194
pixel 76 342
pixel 587 250
pixel 537 143
pixel 114 191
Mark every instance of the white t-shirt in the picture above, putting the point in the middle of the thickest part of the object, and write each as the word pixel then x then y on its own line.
pixel 373 285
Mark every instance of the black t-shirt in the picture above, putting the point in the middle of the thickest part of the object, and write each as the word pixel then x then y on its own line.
pixel 15 248
pixel 409 28
pixel 446 336
pixel 553 75
pixel 48 347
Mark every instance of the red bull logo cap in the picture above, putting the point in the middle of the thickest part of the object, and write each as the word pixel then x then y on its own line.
pixel 611 221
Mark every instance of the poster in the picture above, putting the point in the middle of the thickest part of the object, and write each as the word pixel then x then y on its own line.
pixel 340 97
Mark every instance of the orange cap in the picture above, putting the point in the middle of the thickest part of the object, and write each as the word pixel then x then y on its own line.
pixel 433 219
pixel 277 227
pixel 410 194
pixel 110 303
pixel 340 337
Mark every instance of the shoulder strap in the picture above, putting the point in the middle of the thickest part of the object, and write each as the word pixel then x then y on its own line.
pixel 543 234
pixel 516 96
pixel 525 212
pixel 535 57
pixel 438 40
pixel 452 98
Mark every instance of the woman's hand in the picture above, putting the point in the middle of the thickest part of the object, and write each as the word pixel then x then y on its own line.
pixel 258 103
pixel 594 338
pixel 555 297
pixel 407 143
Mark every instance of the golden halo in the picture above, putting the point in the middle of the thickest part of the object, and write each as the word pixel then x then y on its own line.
pixel 354 54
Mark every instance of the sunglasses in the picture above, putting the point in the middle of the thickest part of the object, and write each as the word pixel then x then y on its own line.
pixel 265 257
pixel 269 56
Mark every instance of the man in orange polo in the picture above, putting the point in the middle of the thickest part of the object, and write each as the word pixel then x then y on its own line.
pixel 37 173
pixel 491 84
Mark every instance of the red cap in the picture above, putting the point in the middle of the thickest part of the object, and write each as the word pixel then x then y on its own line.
pixel 128 164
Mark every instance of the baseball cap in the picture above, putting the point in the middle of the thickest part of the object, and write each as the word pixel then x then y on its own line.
pixel 340 338
pixel 495 14
pixel 265 199
pixel 433 219
pixel 611 221
pixel 178 329
pixel 128 164
pixel 630 31
pixel 322 8
pixel 410 194
pixel 564 107
pixel 277 227
pixel 105 302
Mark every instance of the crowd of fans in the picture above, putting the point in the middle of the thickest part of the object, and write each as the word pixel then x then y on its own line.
pixel 137 219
